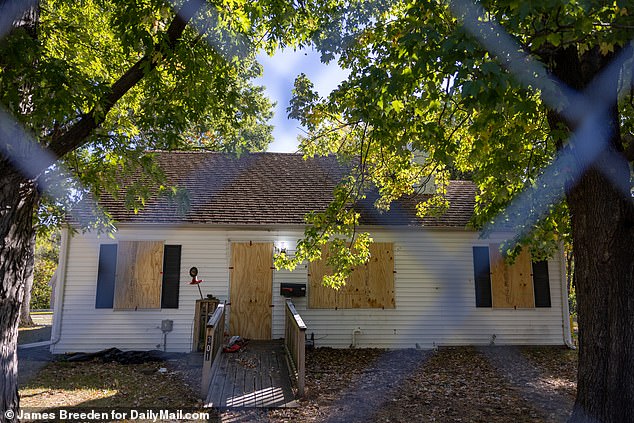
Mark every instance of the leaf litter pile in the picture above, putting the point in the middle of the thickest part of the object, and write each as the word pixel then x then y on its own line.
pixel 465 384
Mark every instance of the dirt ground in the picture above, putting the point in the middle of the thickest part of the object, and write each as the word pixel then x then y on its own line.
pixel 494 384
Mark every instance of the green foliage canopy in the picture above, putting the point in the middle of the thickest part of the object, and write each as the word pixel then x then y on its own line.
pixel 194 90
pixel 422 84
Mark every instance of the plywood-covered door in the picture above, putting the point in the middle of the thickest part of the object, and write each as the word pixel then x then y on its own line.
pixel 251 290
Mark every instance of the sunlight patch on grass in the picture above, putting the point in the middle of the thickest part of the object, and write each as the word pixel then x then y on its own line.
pixel 29 328
pixel 43 397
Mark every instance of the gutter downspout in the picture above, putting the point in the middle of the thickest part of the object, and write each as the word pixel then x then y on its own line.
pixel 58 307
pixel 565 311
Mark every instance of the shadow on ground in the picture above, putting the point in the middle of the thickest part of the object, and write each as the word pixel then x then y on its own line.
pixel 33 334
pixel 32 360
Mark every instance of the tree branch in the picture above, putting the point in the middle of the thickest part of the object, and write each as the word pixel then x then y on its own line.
pixel 78 133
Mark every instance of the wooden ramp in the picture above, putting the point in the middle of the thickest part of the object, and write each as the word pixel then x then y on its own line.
pixel 256 377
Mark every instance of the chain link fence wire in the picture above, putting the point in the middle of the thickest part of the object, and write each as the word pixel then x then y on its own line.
pixel 588 143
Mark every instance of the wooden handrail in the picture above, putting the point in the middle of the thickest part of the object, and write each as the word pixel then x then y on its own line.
pixel 214 335
pixel 295 343
pixel 216 316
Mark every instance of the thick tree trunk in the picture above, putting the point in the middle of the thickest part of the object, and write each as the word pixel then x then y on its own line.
pixel 603 234
pixel 19 196
pixel 602 218
pixel 17 201
pixel 24 15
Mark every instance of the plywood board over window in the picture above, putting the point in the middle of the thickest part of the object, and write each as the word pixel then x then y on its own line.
pixel 353 293
pixel 139 275
pixel 369 286
pixel 380 268
pixel 320 296
pixel 511 285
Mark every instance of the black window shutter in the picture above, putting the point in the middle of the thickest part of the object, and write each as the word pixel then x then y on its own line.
pixel 171 276
pixel 106 275
pixel 541 284
pixel 482 276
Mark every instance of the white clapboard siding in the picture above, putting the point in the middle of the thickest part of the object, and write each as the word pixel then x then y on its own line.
pixel 85 328
pixel 434 293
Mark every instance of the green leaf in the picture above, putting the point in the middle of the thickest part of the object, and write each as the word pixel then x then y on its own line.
pixel 554 39
pixel 397 105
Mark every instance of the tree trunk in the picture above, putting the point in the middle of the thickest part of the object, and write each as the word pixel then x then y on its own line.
pixel 25 309
pixel 25 16
pixel 570 271
pixel 602 219
pixel 18 197
pixel 603 233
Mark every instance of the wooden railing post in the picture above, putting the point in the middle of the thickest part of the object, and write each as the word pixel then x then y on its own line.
pixel 301 360
pixel 295 342
pixel 207 361
pixel 214 334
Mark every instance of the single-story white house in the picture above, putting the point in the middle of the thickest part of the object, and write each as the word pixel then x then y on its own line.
pixel 430 282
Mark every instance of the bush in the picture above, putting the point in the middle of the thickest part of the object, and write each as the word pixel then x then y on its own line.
pixel 41 291
pixel 46 254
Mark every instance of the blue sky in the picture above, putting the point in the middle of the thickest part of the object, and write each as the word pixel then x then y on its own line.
pixel 280 71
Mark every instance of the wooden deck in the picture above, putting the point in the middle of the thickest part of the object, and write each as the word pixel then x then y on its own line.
pixel 256 377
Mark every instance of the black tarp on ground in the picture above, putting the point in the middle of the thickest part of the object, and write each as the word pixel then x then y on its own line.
pixel 123 357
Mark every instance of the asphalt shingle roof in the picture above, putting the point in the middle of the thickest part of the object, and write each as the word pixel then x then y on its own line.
pixel 270 189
